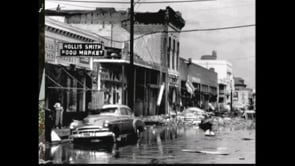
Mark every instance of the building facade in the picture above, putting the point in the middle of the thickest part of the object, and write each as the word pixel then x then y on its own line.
pixel 198 85
pixel 243 95
pixel 224 71
pixel 155 55
pixel 68 80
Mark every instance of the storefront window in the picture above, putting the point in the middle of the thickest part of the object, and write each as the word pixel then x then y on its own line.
pixel 111 83
pixel 169 50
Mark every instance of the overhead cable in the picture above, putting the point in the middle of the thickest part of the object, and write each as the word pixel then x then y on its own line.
pixel 121 2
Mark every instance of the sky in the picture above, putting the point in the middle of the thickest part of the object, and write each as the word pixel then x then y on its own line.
pixel 234 45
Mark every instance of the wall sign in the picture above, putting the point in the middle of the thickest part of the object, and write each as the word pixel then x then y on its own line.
pixel 82 49
pixel 52 54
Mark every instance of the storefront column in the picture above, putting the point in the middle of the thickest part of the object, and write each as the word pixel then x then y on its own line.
pixel 84 95
pixel 144 94
pixel 134 89
pixel 68 93
pixel 123 85
pixel 99 70
pixel 74 94
pixel 166 94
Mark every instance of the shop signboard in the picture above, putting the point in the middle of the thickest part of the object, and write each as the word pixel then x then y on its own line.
pixel 53 54
pixel 82 49
pixel 50 50
pixel 195 79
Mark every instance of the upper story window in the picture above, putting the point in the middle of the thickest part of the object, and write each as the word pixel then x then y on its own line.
pixel 168 53
pixel 173 55
pixel 177 55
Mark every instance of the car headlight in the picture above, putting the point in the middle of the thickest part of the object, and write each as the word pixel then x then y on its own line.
pixel 105 123
pixel 72 125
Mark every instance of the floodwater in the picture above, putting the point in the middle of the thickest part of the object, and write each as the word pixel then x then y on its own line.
pixel 167 144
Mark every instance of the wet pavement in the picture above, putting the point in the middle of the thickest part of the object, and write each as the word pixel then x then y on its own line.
pixel 234 143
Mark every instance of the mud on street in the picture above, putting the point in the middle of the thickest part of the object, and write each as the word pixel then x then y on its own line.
pixel 234 142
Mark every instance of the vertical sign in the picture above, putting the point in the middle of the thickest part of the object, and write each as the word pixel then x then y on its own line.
pixel 160 94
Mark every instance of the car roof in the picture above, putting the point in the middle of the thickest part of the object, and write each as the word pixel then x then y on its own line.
pixel 114 105
pixel 195 109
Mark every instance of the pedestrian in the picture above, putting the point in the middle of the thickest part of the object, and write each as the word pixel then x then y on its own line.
pixel 206 125
pixel 48 124
pixel 58 115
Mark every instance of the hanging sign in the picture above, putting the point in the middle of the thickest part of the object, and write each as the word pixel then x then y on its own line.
pixel 82 49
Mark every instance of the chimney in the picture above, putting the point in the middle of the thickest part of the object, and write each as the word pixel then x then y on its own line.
pixel 212 69
pixel 189 60
pixel 214 54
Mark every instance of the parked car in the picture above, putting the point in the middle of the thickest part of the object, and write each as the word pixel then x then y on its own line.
pixel 193 114
pixel 110 122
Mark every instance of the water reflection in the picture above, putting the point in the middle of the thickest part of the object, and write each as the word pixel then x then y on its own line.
pixel 104 152
pixel 160 145
pixel 91 153
pixel 155 135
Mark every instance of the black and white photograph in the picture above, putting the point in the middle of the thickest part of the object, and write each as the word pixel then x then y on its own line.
pixel 147 82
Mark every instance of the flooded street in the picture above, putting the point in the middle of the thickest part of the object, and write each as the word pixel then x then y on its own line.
pixel 166 144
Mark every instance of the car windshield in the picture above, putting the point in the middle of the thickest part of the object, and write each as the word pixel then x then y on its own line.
pixel 108 110
pixel 103 111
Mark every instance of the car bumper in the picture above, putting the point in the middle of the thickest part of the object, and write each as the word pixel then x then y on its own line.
pixel 93 135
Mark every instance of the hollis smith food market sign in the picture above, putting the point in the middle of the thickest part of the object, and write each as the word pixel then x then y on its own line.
pixel 82 49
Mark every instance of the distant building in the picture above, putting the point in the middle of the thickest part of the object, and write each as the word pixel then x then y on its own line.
pixel 224 72
pixel 242 95
pixel 239 83
pixel 203 82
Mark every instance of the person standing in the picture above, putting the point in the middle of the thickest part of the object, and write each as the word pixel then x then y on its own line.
pixel 48 124
pixel 207 125
pixel 58 115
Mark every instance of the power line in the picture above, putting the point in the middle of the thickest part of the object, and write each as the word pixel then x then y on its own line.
pixel 89 7
pixel 183 31
pixel 195 30
pixel 222 28
pixel 78 5
pixel 138 4
pixel 121 2
pixel 243 58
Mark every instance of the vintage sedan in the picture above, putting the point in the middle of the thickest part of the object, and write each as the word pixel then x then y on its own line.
pixel 110 122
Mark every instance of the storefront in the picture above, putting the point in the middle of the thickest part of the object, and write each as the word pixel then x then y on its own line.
pixel 112 78
pixel 174 94
pixel 68 79
pixel 198 85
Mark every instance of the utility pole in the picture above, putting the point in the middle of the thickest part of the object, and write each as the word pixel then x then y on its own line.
pixel 231 96
pixel 131 74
